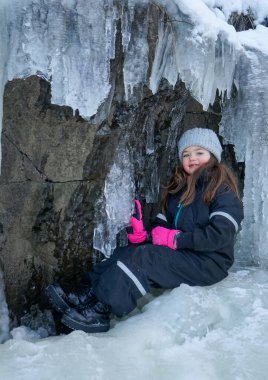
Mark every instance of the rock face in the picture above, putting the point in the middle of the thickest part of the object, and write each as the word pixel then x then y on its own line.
pixel 43 191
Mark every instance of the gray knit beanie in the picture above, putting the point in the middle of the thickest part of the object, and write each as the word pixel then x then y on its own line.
pixel 203 137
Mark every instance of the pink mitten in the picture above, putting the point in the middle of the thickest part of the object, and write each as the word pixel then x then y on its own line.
pixel 164 236
pixel 139 234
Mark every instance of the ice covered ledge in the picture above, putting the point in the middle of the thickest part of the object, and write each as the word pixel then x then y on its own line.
pixel 52 39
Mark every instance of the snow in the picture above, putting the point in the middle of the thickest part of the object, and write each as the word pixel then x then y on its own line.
pixel 256 39
pixel 259 8
pixel 218 332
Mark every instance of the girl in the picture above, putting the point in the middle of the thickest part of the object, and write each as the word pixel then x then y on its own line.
pixel 192 240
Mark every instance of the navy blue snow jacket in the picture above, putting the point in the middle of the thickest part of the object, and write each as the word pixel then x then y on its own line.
pixel 205 252
pixel 207 229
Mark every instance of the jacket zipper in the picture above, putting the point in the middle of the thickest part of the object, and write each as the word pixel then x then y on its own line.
pixel 177 215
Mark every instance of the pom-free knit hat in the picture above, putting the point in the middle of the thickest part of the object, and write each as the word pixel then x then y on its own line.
pixel 203 137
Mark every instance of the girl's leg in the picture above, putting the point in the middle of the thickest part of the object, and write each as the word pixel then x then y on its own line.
pixel 130 273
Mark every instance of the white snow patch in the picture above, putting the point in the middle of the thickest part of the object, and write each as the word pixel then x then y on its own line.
pixel 218 332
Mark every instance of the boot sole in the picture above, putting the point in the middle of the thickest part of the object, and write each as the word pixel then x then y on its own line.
pixel 56 301
pixel 75 325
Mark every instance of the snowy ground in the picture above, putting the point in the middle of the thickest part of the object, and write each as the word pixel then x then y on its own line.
pixel 218 332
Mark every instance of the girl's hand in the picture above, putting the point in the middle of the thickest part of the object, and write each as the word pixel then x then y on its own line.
pixel 139 233
pixel 164 236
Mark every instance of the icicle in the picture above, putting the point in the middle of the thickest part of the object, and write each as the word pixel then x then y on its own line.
pixel 244 123
pixel 117 202
pixel 136 55
pixel 63 41
pixel 204 62
pixel 164 65
pixel 3 60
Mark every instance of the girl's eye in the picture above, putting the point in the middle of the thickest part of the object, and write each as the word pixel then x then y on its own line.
pixel 185 155
pixel 199 153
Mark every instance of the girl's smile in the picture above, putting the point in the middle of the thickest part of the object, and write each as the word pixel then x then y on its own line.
pixel 193 158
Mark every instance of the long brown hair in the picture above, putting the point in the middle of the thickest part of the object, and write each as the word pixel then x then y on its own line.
pixel 216 174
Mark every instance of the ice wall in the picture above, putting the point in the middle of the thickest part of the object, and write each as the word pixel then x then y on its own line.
pixel 245 124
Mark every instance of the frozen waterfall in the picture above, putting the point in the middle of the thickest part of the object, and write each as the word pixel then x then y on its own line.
pixel 245 124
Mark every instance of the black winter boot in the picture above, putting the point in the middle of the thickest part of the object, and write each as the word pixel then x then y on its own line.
pixel 62 301
pixel 93 319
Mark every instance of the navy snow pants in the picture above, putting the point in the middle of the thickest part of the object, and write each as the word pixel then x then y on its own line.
pixel 131 271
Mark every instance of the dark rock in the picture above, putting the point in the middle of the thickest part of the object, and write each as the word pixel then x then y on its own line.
pixel 42 183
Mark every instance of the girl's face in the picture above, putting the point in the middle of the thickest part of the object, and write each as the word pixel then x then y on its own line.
pixel 193 158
